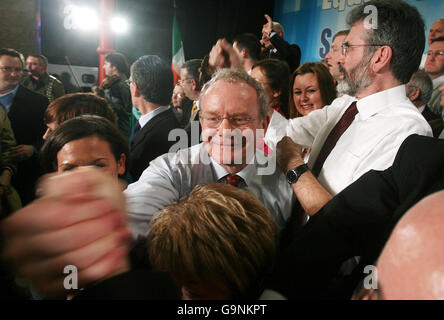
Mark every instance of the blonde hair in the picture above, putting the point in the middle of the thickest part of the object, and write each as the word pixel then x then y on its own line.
pixel 217 232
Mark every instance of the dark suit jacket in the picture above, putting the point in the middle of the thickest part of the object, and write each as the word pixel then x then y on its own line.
pixel 152 141
pixel 429 115
pixel 291 53
pixel 26 116
pixel 358 221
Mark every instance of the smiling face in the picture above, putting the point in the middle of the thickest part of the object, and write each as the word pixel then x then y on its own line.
pixel 229 144
pixel 89 151
pixel 306 94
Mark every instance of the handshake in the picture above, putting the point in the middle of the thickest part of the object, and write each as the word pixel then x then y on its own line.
pixel 79 220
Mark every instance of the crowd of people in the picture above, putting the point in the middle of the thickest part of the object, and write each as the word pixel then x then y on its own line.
pixel 253 177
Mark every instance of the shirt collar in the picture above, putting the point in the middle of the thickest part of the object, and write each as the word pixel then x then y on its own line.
pixel 13 92
pixel 247 173
pixel 143 120
pixel 377 102
pixel 7 99
pixel 438 81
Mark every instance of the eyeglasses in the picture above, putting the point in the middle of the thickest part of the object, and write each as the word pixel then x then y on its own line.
pixel 436 53
pixel 346 46
pixel 12 69
pixel 214 122
pixel 128 82
pixel 184 81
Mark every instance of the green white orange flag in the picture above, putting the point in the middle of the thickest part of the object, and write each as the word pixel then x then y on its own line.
pixel 178 53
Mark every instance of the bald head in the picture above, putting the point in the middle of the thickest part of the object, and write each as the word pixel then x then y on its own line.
pixel 278 28
pixel 411 266
pixel 436 30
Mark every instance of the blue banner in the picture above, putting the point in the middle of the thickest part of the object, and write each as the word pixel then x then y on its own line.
pixel 311 24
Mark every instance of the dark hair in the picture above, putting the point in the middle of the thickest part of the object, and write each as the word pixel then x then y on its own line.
pixel 12 53
pixel 438 39
pixel 325 80
pixel 119 61
pixel 278 74
pixel 192 66
pixel 75 104
pixel 82 127
pixel 401 27
pixel 42 59
pixel 249 42
pixel 154 79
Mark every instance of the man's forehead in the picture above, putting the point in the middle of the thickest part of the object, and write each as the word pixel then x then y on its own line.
pixel 9 59
pixel 438 25
pixel 339 40
pixel 223 90
pixel 357 31
pixel 437 45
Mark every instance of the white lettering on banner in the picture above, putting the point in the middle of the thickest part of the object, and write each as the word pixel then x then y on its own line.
pixel 341 4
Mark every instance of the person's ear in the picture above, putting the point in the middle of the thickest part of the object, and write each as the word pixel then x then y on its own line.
pixel 194 84
pixel 414 94
pixel 381 58
pixel 136 90
pixel 121 165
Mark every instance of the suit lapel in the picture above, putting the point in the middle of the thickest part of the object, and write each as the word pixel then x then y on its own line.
pixel 150 126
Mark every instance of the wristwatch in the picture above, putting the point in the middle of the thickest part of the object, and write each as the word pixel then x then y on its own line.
pixel 293 175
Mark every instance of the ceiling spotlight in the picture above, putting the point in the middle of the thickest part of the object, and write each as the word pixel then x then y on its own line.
pixel 119 25
pixel 85 19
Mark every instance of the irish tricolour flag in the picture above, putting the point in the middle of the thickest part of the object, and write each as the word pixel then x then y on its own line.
pixel 178 53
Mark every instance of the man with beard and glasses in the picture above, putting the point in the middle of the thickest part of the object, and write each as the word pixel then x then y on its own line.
pixel 363 129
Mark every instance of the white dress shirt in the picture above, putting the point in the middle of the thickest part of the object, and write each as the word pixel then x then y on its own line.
pixel 277 129
pixel 172 176
pixel 384 120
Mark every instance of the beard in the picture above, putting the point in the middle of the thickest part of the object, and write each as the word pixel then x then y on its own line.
pixel 359 78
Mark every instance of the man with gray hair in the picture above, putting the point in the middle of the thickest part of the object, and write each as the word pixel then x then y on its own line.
pixel 151 86
pixel 364 128
pixel 419 90
pixel 234 108
pixel 233 115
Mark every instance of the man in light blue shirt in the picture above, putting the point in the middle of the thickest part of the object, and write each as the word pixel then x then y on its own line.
pixel 234 112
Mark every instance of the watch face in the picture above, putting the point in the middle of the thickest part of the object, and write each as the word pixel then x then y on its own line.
pixel 291 176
